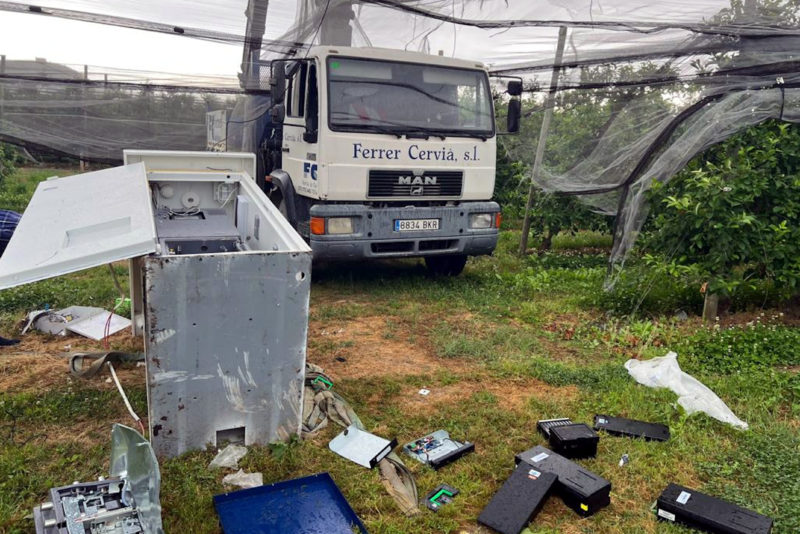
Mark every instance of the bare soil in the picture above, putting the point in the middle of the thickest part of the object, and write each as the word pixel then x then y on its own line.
pixel 38 363
pixel 367 347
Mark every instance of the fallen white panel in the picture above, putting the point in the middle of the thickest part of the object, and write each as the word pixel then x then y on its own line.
pixel 78 222
pixel 361 447
pixel 87 321
pixel 98 326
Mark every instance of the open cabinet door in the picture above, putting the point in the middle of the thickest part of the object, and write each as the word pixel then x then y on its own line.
pixel 81 221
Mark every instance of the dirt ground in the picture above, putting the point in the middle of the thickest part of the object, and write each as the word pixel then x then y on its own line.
pixel 39 362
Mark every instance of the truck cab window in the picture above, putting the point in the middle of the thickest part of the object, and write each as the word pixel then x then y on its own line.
pixel 296 92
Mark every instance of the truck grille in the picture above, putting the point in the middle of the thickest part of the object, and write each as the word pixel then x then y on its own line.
pixel 384 184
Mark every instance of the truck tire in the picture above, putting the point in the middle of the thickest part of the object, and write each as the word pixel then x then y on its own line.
pixel 445 265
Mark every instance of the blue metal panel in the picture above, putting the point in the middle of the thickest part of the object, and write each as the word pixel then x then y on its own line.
pixel 308 505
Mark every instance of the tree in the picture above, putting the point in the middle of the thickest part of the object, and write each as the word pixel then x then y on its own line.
pixel 733 215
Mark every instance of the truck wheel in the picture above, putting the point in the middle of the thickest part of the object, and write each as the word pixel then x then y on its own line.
pixel 445 265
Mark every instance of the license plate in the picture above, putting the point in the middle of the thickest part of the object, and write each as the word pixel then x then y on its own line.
pixel 415 225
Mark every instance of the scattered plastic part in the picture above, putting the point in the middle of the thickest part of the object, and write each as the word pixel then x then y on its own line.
pixel 228 457
pixel 437 449
pixel 631 428
pixel 5 342
pixel 693 395
pixel 546 425
pixel 424 392
pixel 518 500
pixel 243 480
pixel 579 488
pixel 125 503
pixel 361 447
pixel 439 497
pixel 86 321
pixel 625 460
pixel 125 397
pixel 308 505
pixel 79 367
pixel 324 381
pixel 691 508
pixel 574 441
pixel 321 406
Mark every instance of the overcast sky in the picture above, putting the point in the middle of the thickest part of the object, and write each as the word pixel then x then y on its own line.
pixel 24 36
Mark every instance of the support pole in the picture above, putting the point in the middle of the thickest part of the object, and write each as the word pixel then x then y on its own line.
pixel 83 111
pixel 548 116
pixel 2 87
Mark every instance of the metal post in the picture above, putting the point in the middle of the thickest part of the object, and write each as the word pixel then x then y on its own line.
pixel 2 87
pixel 548 116
pixel 83 110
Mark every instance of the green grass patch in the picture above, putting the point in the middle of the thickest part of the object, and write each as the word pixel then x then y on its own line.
pixel 740 348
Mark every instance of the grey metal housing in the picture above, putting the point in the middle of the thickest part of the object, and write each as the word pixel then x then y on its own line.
pixel 224 332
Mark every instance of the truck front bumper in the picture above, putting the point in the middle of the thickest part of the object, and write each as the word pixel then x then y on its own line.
pixel 374 234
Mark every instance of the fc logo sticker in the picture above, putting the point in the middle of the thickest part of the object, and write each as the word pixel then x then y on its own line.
pixel 309 169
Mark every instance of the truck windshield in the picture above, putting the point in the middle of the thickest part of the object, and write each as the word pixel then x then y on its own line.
pixel 408 98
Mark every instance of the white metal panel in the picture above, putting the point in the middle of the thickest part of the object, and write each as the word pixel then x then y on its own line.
pixel 173 160
pixel 78 222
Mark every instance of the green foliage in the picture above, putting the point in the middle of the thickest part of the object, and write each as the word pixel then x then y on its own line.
pixel 8 161
pixel 733 215
pixel 740 348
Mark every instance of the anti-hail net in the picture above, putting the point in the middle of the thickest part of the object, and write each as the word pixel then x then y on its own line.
pixel 642 87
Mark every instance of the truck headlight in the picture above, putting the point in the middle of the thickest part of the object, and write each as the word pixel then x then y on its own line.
pixel 480 220
pixel 340 225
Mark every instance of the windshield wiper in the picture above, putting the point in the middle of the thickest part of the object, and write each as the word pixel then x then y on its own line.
pixel 422 133
pixel 381 129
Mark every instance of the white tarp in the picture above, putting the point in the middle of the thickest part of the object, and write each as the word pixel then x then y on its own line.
pixel 693 395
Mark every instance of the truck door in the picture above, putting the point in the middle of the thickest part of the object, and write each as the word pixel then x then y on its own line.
pixel 300 128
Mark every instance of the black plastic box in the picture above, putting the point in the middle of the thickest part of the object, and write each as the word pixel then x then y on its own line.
pixel 631 428
pixel 697 510
pixel 518 501
pixel 579 488
pixel 574 441
pixel 544 426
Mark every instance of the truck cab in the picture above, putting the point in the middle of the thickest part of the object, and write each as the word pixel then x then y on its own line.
pixel 375 153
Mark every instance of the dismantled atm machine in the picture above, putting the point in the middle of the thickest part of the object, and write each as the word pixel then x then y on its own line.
pixel 126 503
pixel 219 287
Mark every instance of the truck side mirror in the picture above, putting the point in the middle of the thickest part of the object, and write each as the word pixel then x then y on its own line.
pixel 514 88
pixel 277 82
pixel 277 113
pixel 514 115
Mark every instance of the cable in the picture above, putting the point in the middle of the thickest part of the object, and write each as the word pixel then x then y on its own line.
pixel 125 397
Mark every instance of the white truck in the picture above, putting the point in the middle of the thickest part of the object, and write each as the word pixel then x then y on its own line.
pixel 377 153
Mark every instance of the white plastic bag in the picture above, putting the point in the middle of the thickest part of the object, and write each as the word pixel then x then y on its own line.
pixel 243 480
pixel 228 457
pixel 693 395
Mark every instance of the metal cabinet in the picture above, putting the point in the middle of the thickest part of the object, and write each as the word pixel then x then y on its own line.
pixel 219 286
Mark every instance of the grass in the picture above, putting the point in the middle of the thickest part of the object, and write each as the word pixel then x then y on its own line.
pixel 510 341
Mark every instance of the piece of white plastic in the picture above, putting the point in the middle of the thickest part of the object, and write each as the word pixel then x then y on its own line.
pixel 228 457
pixel 244 480
pixel 693 395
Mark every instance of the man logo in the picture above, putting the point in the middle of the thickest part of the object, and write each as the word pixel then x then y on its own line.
pixel 416 191
pixel 417 180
